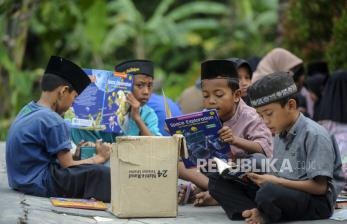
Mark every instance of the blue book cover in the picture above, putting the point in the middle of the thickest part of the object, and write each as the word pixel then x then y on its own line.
pixel 102 105
pixel 200 130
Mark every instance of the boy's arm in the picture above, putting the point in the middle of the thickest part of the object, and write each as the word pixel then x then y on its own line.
pixel 248 146
pixel 144 131
pixel 103 151
pixel 317 186
pixel 226 135
pixel 135 115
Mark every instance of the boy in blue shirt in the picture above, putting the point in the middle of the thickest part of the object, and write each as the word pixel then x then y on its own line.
pixel 141 119
pixel 305 172
pixel 38 157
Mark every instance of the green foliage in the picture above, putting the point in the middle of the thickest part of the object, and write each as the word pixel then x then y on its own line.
pixel 247 30
pixel 308 26
pixel 177 35
pixel 336 51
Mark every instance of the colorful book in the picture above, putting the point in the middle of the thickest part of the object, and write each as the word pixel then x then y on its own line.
pixel 200 130
pixel 102 105
pixel 78 203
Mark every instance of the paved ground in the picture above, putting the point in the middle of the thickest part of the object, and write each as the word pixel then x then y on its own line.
pixel 16 207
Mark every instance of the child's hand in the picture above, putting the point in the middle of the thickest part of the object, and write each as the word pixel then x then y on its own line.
pixel 82 143
pixel 226 135
pixel 261 179
pixel 135 106
pixel 103 150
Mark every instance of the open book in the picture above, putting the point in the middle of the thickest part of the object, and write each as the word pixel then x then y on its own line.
pixel 102 105
pixel 231 171
pixel 78 203
pixel 200 130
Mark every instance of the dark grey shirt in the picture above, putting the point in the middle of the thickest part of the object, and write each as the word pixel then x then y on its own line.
pixel 307 151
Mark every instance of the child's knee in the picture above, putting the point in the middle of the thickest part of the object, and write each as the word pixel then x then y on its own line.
pixel 101 171
pixel 267 193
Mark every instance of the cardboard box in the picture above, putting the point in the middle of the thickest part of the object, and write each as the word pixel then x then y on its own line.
pixel 144 176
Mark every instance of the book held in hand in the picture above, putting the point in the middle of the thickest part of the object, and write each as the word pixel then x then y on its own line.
pixel 102 105
pixel 78 203
pixel 231 171
pixel 200 130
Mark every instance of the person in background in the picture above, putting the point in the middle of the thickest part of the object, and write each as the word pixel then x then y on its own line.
pixel 333 112
pixel 315 86
pixel 156 102
pixel 314 68
pixel 245 76
pixel 191 99
pixel 281 60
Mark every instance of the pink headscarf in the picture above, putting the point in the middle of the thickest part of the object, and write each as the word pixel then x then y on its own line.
pixel 278 59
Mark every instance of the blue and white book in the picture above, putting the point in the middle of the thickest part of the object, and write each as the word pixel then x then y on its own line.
pixel 102 105
pixel 200 130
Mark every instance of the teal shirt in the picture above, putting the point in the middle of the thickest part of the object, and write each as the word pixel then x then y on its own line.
pixel 130 128
pixel 149 117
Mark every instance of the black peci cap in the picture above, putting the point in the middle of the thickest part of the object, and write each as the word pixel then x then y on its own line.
pixel 211 69
pixel 68 71
pixel 136 67
pixel 271 88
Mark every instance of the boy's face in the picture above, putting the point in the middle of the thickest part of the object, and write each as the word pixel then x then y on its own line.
pixel 143 87
pixel 218 95
pixel 276 117
pixel 245 80
pixel 65 99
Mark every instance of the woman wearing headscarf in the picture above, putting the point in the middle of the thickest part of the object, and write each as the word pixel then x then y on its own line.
pixel 279 59
pixel 314 68
pixel 315 86
pixel 333 113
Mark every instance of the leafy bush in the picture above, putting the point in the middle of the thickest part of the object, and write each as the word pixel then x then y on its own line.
pixel 308 26
pixel 337 48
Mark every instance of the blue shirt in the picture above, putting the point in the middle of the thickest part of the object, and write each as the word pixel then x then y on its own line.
pixel 34 139
pixel 156 102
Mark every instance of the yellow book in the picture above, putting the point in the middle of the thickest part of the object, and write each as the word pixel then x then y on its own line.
pixel 78 203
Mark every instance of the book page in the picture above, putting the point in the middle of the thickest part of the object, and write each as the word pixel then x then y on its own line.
pixel 221 165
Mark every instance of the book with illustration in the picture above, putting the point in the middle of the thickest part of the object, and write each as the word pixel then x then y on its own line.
pixel 102 105
pixel 78 203
pixel 200 130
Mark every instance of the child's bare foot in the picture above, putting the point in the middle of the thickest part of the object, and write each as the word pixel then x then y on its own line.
pixel 204 199
pixel 253 216
pixel 186 193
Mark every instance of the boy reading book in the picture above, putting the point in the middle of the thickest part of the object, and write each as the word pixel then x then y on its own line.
pixel 140 119
pixel 38 157
pixel 243 129
pixel 306 174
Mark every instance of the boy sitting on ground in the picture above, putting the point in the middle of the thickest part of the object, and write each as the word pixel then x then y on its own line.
pixel 242 129
pixel 306 174
pixel 38 157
